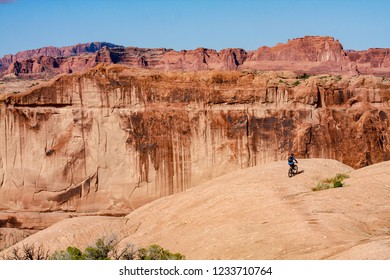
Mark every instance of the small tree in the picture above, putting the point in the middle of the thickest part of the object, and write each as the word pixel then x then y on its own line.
pixel 100 250
pixel 28 252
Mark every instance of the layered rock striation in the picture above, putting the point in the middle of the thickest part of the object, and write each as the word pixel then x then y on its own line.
pixel 310 54
pixel 109 140
pixel 50 61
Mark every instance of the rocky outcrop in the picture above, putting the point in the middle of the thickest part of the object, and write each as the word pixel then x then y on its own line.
pixel 310 54
pixel 372 61
pixel 50 60
pixel 306 49
pixel 114 138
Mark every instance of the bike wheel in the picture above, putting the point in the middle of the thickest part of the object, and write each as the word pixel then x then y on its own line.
pixel 295 169
pixel 290 172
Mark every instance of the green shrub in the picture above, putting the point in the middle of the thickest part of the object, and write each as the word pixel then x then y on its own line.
pixel 337 184
pixel 330 183
pixel 341 177
pixel 304 76
pixel 155 252
pixel 296 83
pixel 71 253
pixel 100 251
pixel 106 250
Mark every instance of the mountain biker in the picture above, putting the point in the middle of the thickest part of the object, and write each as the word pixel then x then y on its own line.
pixel 291 160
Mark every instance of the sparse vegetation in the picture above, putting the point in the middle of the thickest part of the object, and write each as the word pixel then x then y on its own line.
pixel 284 82
pixel 155 252
pixel 330 183
pixel 103 249
pixel 296 83
pixel 71 253
pixel 28 252
pixel 304 76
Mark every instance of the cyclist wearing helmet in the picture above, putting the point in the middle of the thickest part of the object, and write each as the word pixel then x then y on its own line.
pixel 291 160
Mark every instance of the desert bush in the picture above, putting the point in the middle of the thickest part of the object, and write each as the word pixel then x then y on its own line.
pixel 337 184
pixel 330 183
pixel 100 251
pixel 155 252
pixel 107 249
pixel 71 253
pixel 304 76
pixel 126 253
pixel 103 249
pixel 296 83
pixel 28 252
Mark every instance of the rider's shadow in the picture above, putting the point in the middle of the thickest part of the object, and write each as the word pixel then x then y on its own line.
pixel 299 172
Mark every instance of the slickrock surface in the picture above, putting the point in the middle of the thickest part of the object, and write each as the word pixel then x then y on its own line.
pixel 255 213
pixel 109 140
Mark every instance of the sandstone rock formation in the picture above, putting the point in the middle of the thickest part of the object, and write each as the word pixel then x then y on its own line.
pixel 373 61
pixel 253 214
pixel 310 54
pixel 109 140
pixel 50 60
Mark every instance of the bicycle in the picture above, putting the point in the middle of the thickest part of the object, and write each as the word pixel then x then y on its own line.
pixel 293 170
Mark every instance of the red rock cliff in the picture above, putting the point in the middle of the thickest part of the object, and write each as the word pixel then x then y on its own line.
pixel 310 54
pixel 113 138
pixel 21 63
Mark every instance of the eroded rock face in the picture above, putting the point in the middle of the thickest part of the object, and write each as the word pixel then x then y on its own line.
pixel 114 138
pixel 310 54
pixel 51 61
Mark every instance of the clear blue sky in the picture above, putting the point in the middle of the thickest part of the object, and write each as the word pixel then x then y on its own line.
pixel 188 24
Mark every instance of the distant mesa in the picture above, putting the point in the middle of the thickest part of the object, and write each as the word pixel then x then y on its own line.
pixel 309 54
pixel 47 59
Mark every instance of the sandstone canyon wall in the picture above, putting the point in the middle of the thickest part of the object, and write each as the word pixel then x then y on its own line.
pixel 111 139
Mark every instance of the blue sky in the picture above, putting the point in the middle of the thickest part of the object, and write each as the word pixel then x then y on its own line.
pixel 188 24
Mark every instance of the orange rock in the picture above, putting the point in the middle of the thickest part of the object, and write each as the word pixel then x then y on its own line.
pixel 114 138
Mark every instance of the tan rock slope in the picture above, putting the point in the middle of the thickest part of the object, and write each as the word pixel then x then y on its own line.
pixel 256 213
